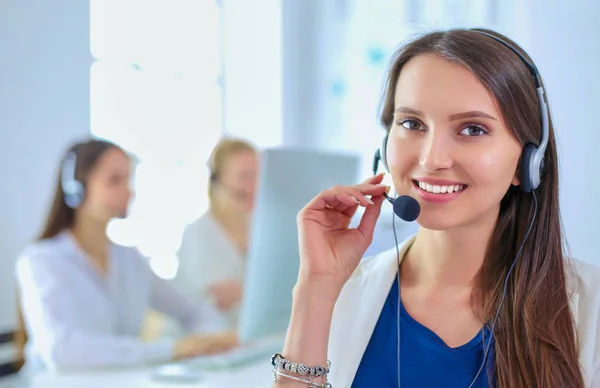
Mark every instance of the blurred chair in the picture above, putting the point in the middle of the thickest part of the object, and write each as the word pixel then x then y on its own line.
pixel 12 346
pixel 8 357
pixel 17 339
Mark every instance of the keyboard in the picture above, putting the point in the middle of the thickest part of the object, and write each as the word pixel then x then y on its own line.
pixel 246 353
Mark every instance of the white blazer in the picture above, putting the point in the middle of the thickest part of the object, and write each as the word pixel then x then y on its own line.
pixel 77 318
pixel 360 303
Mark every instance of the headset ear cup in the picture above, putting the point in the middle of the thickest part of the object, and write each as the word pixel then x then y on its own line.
pixel 73 190
pixel 383 152
pixel 527 181
pixel 80 194
pixel 74 194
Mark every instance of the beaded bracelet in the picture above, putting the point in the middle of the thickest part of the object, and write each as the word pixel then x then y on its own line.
pixel 280 362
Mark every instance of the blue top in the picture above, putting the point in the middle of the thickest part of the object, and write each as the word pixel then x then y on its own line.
pixel 426 360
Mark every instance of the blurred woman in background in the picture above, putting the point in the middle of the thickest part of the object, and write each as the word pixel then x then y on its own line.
pixel 83 298
pixel 213 249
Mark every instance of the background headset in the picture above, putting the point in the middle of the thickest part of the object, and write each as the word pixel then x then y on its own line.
pixel 530 172
pixel 73 190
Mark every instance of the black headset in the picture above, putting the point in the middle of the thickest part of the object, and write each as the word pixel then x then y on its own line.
pixel 532 158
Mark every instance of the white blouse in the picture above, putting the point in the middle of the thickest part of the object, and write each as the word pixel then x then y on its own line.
pixel 207 257
pixel 77 318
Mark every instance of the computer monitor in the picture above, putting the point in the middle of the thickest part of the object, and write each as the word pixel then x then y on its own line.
pixel 288 180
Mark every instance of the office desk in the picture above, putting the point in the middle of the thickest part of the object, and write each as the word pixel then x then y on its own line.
pixel 256 375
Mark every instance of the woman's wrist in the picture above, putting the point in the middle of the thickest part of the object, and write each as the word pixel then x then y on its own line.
pixel 308 333
pixel 307 339
pixel 324 288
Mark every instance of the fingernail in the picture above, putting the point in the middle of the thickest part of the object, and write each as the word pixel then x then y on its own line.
pixel 355 199
pixel 387 188
pixel 370 201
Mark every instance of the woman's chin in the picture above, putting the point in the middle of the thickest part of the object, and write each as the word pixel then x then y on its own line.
pixel 121 213
pixel 437 222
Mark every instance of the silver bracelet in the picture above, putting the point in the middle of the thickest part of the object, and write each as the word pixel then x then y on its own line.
pixel 311 384
pixel 281 363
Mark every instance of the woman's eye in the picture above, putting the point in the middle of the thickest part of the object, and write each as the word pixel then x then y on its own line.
pixel 473 131
pixel 412 125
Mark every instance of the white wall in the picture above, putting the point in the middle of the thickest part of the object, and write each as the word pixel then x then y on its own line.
pixel 567 51
pixel 44 104
pixel 278 71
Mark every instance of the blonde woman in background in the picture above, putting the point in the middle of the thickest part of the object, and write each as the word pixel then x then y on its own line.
pixel 212 256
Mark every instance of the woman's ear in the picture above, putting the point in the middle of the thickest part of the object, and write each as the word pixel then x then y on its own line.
pixel 516 179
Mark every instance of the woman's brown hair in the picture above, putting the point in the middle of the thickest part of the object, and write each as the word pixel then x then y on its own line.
pixel 535 336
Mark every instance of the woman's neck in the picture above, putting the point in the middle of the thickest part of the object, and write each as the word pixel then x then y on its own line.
pixel 235 225
pixel 91 237
pixel 447 259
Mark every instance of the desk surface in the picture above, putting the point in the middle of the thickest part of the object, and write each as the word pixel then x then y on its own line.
pixel 257 375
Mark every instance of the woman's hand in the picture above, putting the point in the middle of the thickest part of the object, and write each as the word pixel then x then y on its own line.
pixel 226 294
pixel 204 344
pixel 328 248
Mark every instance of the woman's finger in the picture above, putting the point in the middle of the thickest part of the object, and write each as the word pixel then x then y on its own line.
pixel 375 179
pixel 369 218
pixel 338 196
pixel 371 188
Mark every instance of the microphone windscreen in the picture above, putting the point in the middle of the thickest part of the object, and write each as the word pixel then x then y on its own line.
pixel 407 208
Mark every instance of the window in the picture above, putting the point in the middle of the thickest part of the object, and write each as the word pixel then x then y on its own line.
pixel 155 91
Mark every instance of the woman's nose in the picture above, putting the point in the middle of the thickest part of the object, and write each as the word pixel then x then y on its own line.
pixel 435 154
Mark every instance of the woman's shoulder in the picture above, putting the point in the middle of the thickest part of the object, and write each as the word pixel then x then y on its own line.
pixel 205 222
pixel 583 278
pixel 205 238
pixel 45 257
pixel 583 282
pixel 204 227
pixel 583 285
pixel 52 248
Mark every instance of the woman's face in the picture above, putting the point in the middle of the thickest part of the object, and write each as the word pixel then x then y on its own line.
pixel 449 146
pixel 237 181
pixel 108 189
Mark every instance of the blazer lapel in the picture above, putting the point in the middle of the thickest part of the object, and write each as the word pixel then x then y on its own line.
pixel 357 311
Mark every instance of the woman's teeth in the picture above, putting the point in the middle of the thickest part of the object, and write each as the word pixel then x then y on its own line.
pixel 440 189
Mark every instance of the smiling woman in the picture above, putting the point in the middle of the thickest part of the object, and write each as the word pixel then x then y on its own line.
pixel 450 136
pixel 484 292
